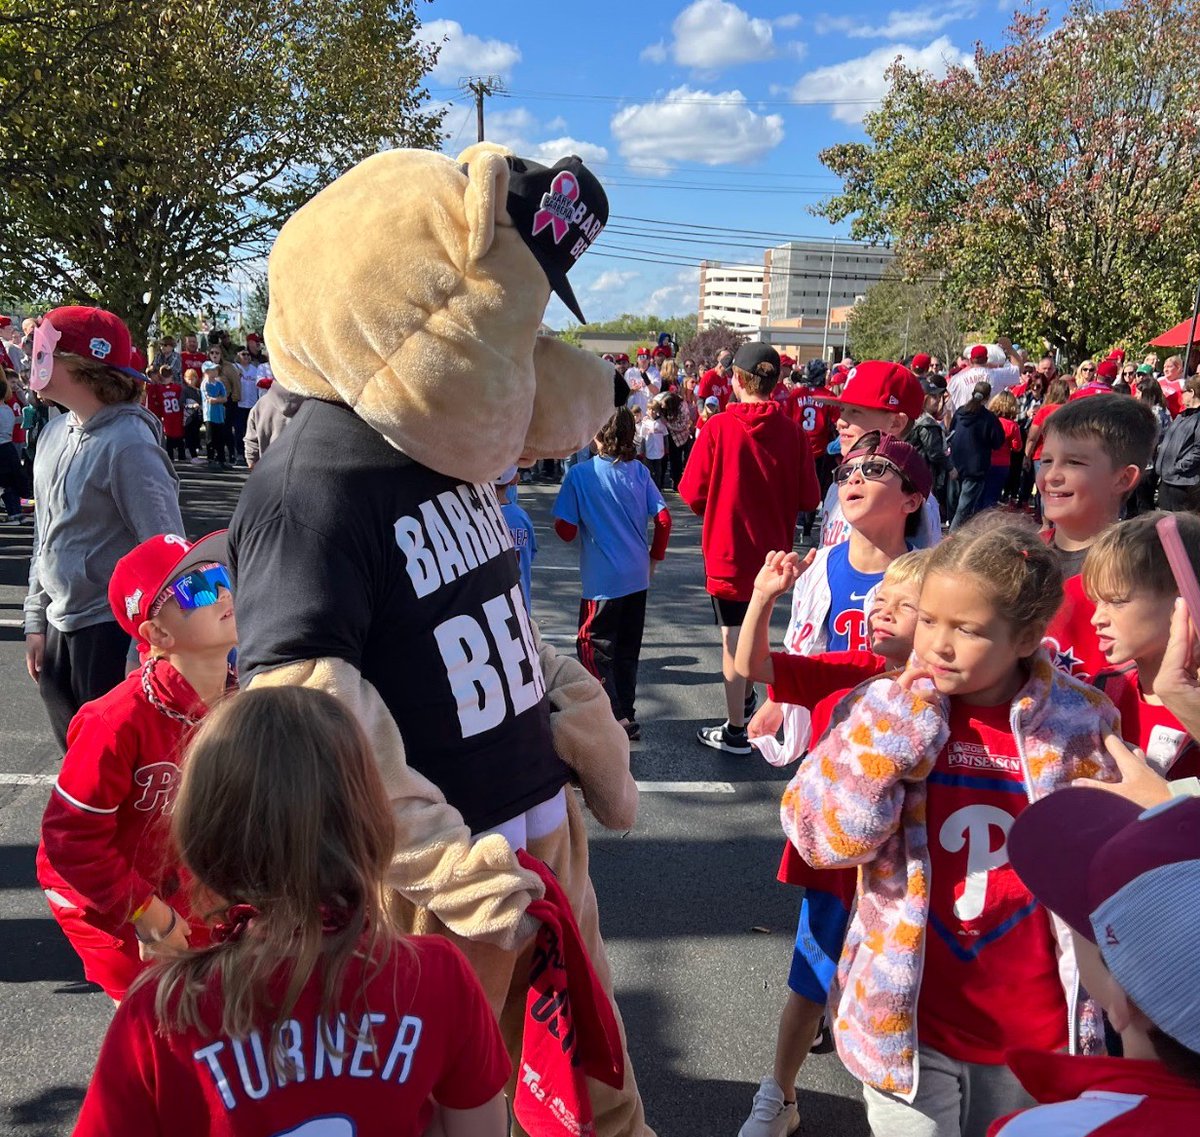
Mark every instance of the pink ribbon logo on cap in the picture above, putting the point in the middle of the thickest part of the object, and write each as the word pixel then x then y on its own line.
pixel 558 206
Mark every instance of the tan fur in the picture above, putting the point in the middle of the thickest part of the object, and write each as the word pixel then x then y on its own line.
pixel 403 290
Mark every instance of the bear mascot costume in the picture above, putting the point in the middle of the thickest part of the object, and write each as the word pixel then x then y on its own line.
pixel 371 559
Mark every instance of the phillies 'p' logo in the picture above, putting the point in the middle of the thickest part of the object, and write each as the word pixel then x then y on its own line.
pixel 159 782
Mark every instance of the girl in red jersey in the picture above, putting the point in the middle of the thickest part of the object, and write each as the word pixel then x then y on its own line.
pixel 310 1014
pixel 918 782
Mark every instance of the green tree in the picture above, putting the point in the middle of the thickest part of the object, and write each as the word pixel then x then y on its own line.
pixel 255 318
pixel 150 146
pixel 897 318
pixel 639 330
pixel 1053 187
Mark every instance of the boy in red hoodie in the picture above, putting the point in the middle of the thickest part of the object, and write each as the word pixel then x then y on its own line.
pixel 750 476
pixel 112 884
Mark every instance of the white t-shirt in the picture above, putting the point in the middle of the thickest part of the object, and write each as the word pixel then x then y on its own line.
pixel 250 389
pixel 653 434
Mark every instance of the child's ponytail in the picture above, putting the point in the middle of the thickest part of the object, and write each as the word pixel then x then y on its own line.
pixel 1016 569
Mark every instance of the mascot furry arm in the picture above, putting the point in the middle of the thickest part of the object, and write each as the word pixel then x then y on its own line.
pixel 403 292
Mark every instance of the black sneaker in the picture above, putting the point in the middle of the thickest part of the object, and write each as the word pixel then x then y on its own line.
pixel 633 729
pixel 725 738
pixel 751 703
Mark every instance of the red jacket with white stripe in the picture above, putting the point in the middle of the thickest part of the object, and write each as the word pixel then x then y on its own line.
pixel 1098 1097
pixel 104 833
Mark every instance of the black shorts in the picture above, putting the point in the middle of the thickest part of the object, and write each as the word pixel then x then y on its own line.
pixel 729 613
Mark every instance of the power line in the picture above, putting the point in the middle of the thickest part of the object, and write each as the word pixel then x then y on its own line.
pixel 747 187
pixel 706 102
pixel 694 169
pixel 662 224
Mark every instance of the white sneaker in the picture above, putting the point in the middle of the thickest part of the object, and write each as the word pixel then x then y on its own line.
pixel 769 1116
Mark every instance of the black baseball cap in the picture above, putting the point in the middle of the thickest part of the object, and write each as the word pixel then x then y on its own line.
pixel 559 211
pixel 751 354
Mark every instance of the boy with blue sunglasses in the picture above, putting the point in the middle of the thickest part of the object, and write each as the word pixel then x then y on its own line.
pixel 113 884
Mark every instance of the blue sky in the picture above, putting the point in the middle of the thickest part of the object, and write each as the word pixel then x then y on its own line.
pixel 698 114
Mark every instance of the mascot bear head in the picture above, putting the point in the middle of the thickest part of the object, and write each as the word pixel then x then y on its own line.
pixel 412 289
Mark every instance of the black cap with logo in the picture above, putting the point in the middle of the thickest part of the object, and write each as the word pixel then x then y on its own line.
pixel 559 211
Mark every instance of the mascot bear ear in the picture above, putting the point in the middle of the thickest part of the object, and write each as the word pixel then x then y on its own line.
pixel 485 201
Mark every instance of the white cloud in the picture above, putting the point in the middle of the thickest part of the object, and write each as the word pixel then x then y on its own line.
pixel 709 35
pixel 678 298
pixel 695 126
pixel 855 86
pixel 552 149
pixel 792 20
pixel 464 54
pixel 518 128
pixel 901 23
pixel 612 280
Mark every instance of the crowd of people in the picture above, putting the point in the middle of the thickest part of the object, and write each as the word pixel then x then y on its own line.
pixel 989 614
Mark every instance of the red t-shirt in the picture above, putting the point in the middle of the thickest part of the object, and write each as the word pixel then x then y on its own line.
pixel 193 360
pixel 1071 639
pixel 1160 735
pixel 165 400
pixel 820 682
pixel 712 382
pixel 986 936
pixel 436 1040
pixel 1172 395
pixel 816 418
pixel 1039 417
pixel 18 430
pixel 1002 455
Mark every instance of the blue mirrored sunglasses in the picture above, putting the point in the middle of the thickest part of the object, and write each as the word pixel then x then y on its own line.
pixel 198 589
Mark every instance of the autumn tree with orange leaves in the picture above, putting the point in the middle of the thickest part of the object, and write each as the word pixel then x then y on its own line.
pixel 1054 188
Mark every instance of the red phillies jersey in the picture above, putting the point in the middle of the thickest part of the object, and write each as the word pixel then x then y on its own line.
pixel 104 847
pixel 420 1032
pixel 820 682
pixel 816 419
pixel 1167 746
pixel 986 936
pixel 193 361
pixel 712 382
pixel 1104 1097
pixel 165 401
pixel 1070 639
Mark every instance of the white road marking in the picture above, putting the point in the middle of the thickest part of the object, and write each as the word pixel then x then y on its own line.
pixel 686 787
pixel 12 623
pixel 28 779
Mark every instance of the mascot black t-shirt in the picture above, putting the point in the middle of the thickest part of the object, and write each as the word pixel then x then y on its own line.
pixel 342 547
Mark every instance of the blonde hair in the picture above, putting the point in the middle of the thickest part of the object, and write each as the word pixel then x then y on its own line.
pixel 280 808
pixel 668 371
pixel 1129 556
pixel 908 569
pixel 1009 563
pixel 1004 405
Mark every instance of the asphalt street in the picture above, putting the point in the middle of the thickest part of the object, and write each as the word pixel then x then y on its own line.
pixel 698 930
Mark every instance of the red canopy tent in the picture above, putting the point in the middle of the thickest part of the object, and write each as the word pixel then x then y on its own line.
pixel 1178 336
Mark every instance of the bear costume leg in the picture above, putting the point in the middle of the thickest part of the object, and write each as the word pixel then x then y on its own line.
pixel 618 1113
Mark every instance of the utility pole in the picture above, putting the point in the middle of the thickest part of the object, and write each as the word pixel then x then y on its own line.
pixel 481 86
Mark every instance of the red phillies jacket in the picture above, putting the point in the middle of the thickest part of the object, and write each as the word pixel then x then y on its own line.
pixel 750 474
pixel 104 832
pixel 1107 1097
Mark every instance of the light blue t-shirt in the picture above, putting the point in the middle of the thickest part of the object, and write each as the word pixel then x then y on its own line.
pixel 610 503
pixel 524 541
pixel 846 624
pixel 213 389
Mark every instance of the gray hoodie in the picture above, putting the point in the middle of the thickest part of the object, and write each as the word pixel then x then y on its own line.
pixel 101 487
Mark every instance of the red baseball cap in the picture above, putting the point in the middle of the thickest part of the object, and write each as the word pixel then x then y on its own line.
pixel 978 354
pixel 94 334
pixel 786 361
pixel 1108 369
pixel 921 361
pixel 141 574
pixel 253 337
pixel 877 385
pixel 643 351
